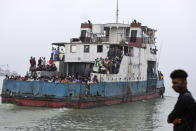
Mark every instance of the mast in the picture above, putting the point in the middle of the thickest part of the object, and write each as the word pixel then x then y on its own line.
pixel 117 13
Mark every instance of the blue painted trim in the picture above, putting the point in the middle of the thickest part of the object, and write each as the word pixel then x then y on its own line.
pixel 73 91
pixel 110 89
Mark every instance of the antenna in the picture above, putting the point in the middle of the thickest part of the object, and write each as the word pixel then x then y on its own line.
pixel 117 13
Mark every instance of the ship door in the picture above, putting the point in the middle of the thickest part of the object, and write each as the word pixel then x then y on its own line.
pixel 151 76
pixel 83 35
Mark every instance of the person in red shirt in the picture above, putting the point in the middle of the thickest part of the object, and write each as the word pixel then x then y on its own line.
pixel 51 61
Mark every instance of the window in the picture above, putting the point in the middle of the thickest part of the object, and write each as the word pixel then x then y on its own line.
pixel 83 35
pixel 99 48
pixel 133 35
pixel 127 33
pixel 86 48
pixel 73 48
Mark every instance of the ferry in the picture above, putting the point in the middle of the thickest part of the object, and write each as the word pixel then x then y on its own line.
pixel 107 64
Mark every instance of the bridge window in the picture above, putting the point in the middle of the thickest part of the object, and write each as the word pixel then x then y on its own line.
pixel 133 35
pixel 127 33
pixel 86 48
pixel 73 48
pixel 99 48
pixel 83 35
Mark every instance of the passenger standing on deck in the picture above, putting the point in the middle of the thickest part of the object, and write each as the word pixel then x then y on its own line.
pixel 34 63
pixel 61 55
pixel 57 54
pixel 39 62
pixel 182 116
pixel 54 54
pixel 51 61
pixel 44 63
pixel 31 63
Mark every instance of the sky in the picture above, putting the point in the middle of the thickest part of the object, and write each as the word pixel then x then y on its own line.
pixel 28 27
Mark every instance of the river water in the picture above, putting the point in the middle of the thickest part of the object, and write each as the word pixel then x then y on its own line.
pixel 146 115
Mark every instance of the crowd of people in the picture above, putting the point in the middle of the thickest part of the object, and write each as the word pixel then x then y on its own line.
pixel 42 65
pixel 109 65
pixel 57 54
pixel 55 79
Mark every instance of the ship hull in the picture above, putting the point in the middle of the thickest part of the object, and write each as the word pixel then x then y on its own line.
pixel 75 104
pixel 80 96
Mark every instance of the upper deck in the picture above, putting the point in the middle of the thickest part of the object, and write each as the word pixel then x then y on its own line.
pixel 95 41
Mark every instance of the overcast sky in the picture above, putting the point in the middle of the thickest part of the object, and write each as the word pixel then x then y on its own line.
pixel 28 27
